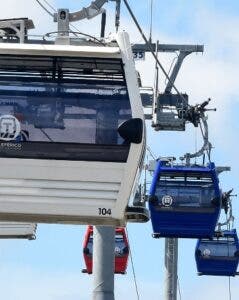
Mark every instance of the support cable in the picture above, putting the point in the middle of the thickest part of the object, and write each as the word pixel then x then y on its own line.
pixel 152 52
pixel 207 145
pixel 43 6
pixel 151 21
pixel 76 33
pixel 51 6
pixel 151 153
pixel 71 25
pixel 171 66
pixel 133 269
pixel 196 115
pixel 179 289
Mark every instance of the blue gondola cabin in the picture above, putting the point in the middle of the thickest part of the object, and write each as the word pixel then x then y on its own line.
pixel 184 201
pixel 218 256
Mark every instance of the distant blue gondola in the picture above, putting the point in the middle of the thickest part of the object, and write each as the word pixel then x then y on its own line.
pixel 184 201
pixel 218 256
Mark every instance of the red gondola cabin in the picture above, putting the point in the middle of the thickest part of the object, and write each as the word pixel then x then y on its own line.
pixel 121 250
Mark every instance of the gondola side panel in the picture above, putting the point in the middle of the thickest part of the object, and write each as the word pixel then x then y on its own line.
pixel 137 151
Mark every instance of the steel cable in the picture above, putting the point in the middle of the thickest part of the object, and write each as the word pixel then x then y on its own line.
pixel 43 6
pixel 133 269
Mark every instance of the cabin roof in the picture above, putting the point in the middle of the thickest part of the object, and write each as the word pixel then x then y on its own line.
pixel 59 50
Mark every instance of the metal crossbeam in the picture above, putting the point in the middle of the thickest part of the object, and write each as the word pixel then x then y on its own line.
pixel 167 48
pixel 15 28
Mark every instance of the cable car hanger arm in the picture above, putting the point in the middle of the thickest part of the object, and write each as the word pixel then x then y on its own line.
pixel 196 116
pixel 93 10
pixel 89 12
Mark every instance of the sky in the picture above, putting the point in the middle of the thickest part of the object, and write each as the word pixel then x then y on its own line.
pixel 50 267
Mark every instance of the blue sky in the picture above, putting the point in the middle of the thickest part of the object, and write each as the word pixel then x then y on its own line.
pixel 49 268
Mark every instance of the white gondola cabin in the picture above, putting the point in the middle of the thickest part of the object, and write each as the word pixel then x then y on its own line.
pixel 13 230
pixel 71 132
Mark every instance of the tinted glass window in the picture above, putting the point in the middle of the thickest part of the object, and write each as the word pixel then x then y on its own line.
pixel 120 246
pixel 218 248
pixel 63 100
pixel 65 113
pixel 185 192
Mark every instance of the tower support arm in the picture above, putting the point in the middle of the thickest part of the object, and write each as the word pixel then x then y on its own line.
pixel 175 70
pixel 167 48
pixel 89 12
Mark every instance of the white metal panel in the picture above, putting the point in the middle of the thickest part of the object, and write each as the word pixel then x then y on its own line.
pixel 74 185
pixel 136 154
pixel 59 50
pixel 11 230
pixel 40 189
pixel 85 171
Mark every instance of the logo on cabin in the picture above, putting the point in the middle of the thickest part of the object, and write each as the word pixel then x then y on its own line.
pixel 117 250
pixel 9 128
pixel 206 252
pixel 167 200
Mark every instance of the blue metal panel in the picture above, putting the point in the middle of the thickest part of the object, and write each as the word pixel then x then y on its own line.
pixel 211 258
pixel 184 215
